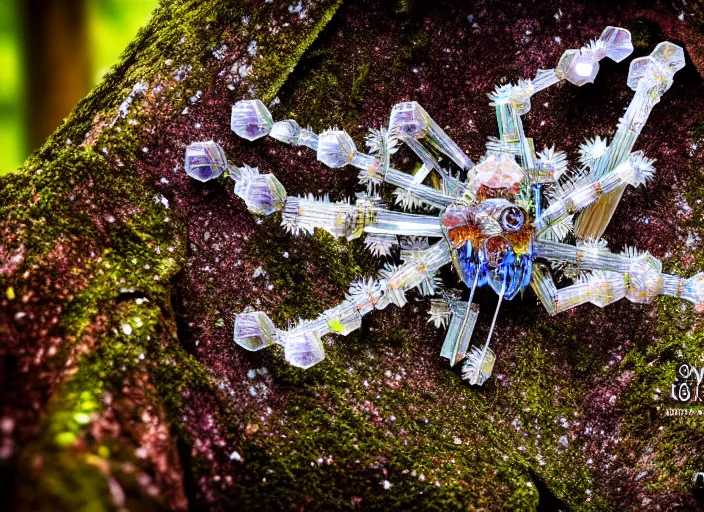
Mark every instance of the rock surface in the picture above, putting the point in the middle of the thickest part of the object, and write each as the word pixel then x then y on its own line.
pixel 120 277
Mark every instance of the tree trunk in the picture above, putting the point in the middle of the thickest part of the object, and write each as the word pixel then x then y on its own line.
pixel 56 52
pixel 120 278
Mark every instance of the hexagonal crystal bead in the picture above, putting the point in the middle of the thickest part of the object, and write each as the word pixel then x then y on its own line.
pixel 659 67
pixel 286 131
pixel 304 350
pixel 250 119
pixel 617 43
pixel 344 318
pixel 205 160
pixel 582 69
pixel 336 148
pixel 409 118
pixel 262 193
pixel 254 330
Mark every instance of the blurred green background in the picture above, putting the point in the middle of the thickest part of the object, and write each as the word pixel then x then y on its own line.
pixel 51 53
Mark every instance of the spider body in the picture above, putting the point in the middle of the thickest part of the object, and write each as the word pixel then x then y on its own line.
pixel 491 243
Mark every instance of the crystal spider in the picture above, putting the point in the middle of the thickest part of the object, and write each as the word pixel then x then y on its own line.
pixel 506 222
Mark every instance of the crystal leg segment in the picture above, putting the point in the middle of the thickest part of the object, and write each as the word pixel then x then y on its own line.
pixel 302 344
pixel 459 333
pixel 636 170
pixel 649 77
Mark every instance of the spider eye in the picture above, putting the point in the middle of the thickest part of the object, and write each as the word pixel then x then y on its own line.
pixel 512 218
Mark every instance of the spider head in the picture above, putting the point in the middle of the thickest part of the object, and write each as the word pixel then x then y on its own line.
pixel 492 242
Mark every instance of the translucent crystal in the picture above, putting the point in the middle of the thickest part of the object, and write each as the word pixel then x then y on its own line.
pixel 250 119
pixel 262 193
pixel 205 160
pixel 309 139
pixel 306 214
pixel 286 131
pixel 479 365
pixel 336 148
pixel 254 330
pixel 692 289
pixel 496 172
pixel 304 350
pixel 563 65
pixel 582 69
pixel 409 118
pixel 658 68
pixel 616 42
pixel 604 288
pixel 460 331
pixel 412 124
pixel 344 318
pixel 669 55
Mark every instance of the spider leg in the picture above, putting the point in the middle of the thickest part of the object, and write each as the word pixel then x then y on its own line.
pixel 303 345
pixel 611 277
pixel 649 77
pixel 410 123
pixel 344 219
pixel 634 171
pixel 579 67
pixel 335 148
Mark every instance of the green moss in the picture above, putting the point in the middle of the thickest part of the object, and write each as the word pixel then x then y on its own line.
pixel 282 58
pixel 362 72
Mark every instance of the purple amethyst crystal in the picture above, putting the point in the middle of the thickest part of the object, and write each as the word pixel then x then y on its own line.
pixel 250 119
pixel 205 160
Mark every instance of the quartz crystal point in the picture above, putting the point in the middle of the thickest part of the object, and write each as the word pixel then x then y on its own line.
pixel 250 119
pixel 460 331
pixel 479 365
pixel 262 193
pixel 286 131
pixel 581 66
pixel 578 67
pixel 413 125
pixel 304 350
pixel 254 330
pixel 616 43
pixel 657 68
pixel 496 172
pixel 336 148
pixel 205 160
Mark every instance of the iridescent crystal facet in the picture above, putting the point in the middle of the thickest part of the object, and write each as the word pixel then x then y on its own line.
pixel 336 148
pixel 262 193
pixel 205 160
pixel 304 350
pixel 250 119
pixel 254 330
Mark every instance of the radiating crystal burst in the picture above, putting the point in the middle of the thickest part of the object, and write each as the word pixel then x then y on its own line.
pixel 505 223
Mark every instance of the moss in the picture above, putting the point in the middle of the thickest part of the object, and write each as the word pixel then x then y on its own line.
pixel 342 433
pixel 362 72
pixel 279 70
pixel 68 446
pixel 316 258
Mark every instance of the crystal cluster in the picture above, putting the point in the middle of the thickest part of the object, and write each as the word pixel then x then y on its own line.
pixel 503 223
